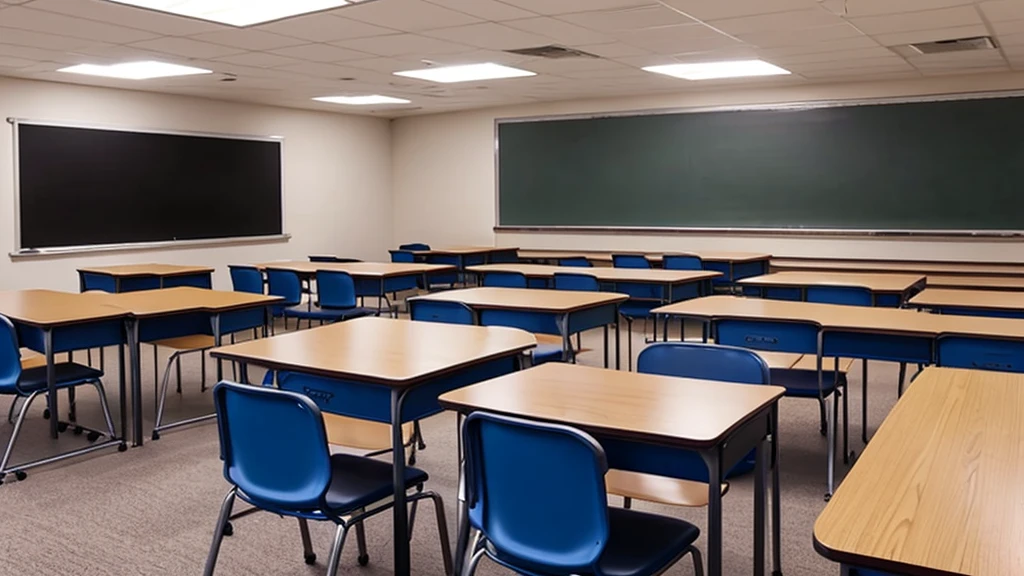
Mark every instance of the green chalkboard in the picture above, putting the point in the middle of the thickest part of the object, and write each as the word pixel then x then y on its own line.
pixel 953 165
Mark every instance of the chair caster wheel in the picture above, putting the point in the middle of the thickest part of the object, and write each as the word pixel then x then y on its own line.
pixel 229 530
pixel 122 447
pixel 310 559
pixel 92 436
pixel 62 426
pixel 412 460
pixel 828 497
pixel 20 475
pixel 46 414
pixel 77 430
pixel 156 435
pixel 363 559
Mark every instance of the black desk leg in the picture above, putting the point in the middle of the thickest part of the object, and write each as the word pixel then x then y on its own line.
pixel 760 481
pixel 400 522
pixel 51 382
pixel 776 494
pixel 713 459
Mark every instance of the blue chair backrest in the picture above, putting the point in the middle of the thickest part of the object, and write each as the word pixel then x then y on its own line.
pixel 580 282
pixel 441 311
pixel 504 257
pixel 402 256
pixel 682 262
pixel 505 280
pixel 576 262
pixel 537 492
pixel 630 261
pixel 284 466
pixel 323 258
pixel 414 246
pixel 848 295
pixel 704 361
pixel 10 356
pixel 284 283
pixel 335 289
pixel 246 279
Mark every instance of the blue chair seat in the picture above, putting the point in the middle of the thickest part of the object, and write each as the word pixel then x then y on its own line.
pixel 638 543
pixel 68 374
pixel 306 312
pixel 546 353
pixel 637 308
pixel 804 383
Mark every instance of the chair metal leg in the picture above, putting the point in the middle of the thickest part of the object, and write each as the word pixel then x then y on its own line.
pixel 339 543
pixel 364 556
pixel 903 376
pixel 470 568
pixel 698 562
pixel 102 362
pixel 177 368
pixel 10 412
pixel 419 435
pixel 218 532
pixel 17 430
pixel 307 544
pixel 442 531
pixel 202 370
pixel 106 409
pixel 824 423
pixel 162 398
pixel 629 344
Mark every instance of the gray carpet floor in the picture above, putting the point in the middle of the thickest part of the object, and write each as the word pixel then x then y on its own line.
pixel 151 510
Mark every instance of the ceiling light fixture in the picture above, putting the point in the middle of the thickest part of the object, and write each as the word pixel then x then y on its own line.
pixel 237 12
pixel 713 70
pixel 466 73
pixel 134 70
pixel 361 100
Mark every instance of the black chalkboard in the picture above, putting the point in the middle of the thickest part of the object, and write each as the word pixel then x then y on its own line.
pixel 86 186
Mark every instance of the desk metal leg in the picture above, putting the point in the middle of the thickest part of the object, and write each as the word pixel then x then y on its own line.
pixel 134 356
pixel 618 350
pixel 400 514
pixel 776 494
pixel 760 481
pixel 51 383
pixel 713 460
pixel 864 401
pixel 605 345
pixel 123 390
pixel 463 530
pixel 215 322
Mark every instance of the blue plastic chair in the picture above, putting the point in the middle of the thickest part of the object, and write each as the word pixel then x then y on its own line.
pixel 26 385
pixel 246 279
pixel 846 295
pixel 510 256
pixel 682 262
pixel 441 311
pixel 576 262
pixel 536 493
pixel 286 284
pixel 447 279
pixel 336 292
pixel 505 280
pixel 402 256
pixel 287 469
pixel 578 282
pixel 415 246
pixel 630 261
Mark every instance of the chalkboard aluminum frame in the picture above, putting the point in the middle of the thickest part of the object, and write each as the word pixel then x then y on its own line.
pixel 808 105
pixel 20 252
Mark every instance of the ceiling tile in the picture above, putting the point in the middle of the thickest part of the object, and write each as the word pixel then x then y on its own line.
pixel 324 28
pixel 1008 40
pixel 559 31
pixel 407 15
pixel 320 53
pixel 39 54
pixel 491 10
pixel 898 38
pixel 258 59
pixel 996 10
pixel 399 44
pixel 613 50
pixel 635 18
pixel 833 56
pixel 41 40
pixel 321 70
pixel 489 35
pixel 1004 27
pixel 800 37
pixel 891 60
pixel 124 15
pixel 677 39
pixel 863 71
pixel 912 21
pixel 719 9
pixel 549 7
pixel 51 23
pixel 15 62
pixel 852 43
pixel 954 71
pixel 559 66
pixel 187 47
pixel 779 22
pixel 248 39
pixel 385 65
pixel 858 8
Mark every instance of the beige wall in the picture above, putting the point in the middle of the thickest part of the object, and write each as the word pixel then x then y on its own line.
pixel 337 176
pixel 444 177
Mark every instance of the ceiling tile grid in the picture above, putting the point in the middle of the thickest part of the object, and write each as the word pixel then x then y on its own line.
pixel 356 49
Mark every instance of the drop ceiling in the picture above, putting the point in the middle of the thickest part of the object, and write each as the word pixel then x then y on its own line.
pixel 354 50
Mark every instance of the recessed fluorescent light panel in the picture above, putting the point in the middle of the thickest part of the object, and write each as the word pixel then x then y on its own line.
pixel 134 70
pixel 237 12
pixel 466 73
pixel 361 100
pixel 713 70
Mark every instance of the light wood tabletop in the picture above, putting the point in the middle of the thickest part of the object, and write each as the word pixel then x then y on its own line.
pixel 163 301
pixel 359 269
pixel 606 256
pixel 947 268
pixel 984 299
pixel 49 308
pixel 392 352
pixel 976 282
pixel 457 250
pixel 127 270
pixel 643 275
pixel 558 301
pixel 662 409
pixel 891 283
pixel 937 491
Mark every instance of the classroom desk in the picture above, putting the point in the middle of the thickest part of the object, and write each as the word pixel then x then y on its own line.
pixel 721 421
pixel 675 285
pixel 465 255
pixel 937 490
pixel 51 322
pixel 174 312
pixel 927 268
pixel 131 277
pixel 387 370
pixel 886 334
pixel 373 279
pixel 971 302
pixel 560 312
pixel 732 265
pixel 890 290
pixel 976 282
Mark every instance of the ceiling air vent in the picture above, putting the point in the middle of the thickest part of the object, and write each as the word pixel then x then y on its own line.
pixel 957 45
pixel 553 51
